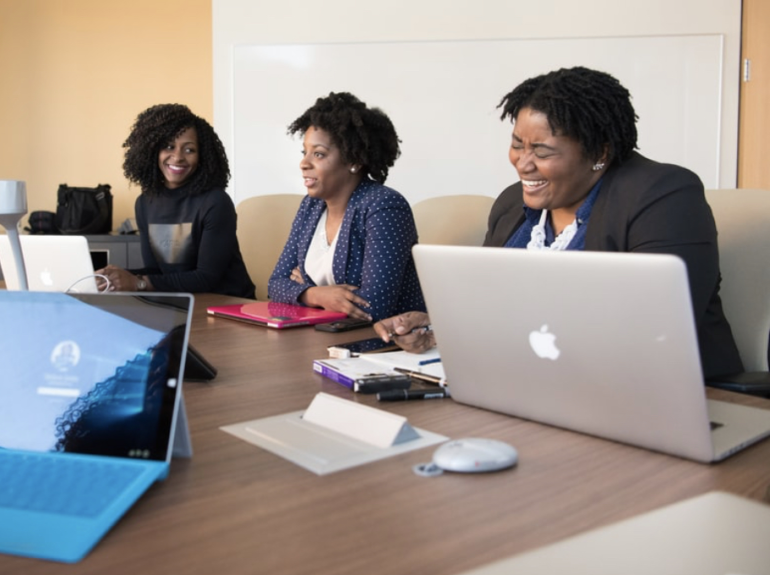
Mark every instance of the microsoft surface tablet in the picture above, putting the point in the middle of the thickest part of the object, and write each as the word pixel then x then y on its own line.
pixel 91 414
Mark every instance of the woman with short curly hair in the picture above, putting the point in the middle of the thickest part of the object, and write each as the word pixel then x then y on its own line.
pixel 350 244
pixel 186 220
pixel 583 187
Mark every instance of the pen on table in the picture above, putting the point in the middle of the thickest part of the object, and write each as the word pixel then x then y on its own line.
pixel 407 394
pixel 429 361
pixel 422 376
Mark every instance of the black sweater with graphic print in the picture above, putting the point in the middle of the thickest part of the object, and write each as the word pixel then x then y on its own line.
pixel 189 243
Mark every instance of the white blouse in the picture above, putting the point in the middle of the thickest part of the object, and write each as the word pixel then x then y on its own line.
pixel 320 255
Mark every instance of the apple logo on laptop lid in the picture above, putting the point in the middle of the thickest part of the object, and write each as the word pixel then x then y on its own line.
pixel 46 278
pixel 543 343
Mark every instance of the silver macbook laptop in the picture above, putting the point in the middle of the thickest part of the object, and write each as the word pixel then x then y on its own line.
pixel 91 413
pixel 53 263
pixel 712 534
pixel 601 343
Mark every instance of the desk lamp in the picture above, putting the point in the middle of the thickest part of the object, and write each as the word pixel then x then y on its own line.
pixel 13 205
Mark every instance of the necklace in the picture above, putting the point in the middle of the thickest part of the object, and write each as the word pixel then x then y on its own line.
pixel 537 239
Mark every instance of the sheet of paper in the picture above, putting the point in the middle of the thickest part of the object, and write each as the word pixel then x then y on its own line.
pixel 410 361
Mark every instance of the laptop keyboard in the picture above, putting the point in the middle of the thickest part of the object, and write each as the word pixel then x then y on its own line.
pixel 61 485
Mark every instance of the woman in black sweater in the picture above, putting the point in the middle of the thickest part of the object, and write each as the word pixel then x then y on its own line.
pixel 186 220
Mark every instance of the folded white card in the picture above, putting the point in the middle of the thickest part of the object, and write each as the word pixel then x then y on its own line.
pixel 334 434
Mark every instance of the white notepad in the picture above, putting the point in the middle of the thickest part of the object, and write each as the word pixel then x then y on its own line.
pixel 415 362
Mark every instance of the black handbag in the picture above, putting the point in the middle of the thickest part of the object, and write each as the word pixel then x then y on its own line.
pixel 84 211
pixel 42 222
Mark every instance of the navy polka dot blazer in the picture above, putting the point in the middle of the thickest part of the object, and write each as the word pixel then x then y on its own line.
pixel 373 251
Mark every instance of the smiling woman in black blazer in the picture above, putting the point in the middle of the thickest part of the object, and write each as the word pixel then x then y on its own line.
pixel 584 187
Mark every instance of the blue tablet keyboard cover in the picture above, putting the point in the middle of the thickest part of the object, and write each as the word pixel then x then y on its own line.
pixel 58 505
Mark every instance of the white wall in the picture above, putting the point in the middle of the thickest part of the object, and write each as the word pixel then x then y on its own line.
pixel 238 23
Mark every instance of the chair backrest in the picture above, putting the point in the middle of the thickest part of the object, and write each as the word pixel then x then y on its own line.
pixel 264 223
pixel 743 228
pixel 453 220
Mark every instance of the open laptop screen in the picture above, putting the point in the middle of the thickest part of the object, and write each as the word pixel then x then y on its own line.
pixel 91 373
pixel 53 263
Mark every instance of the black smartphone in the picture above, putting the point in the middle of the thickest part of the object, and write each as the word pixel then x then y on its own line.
pixel 343 325
pixel 355 348
pixel 378 383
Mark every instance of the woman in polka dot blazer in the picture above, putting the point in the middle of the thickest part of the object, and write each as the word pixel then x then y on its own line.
pixel 349 249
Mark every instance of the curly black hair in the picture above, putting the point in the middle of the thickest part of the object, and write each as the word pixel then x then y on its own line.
pixel 589 106
pixel 156 127
pixel 365 136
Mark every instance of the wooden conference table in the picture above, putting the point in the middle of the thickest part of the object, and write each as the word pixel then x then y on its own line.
pixel 235 508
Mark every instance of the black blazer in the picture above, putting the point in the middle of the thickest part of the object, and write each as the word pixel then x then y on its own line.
pixel 645 206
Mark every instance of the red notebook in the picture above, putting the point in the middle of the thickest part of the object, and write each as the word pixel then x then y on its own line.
pixel 275 315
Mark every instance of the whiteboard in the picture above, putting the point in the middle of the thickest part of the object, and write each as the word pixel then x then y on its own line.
pixel 442 99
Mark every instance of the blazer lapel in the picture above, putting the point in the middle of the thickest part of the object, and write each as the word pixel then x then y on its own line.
pixel 341 252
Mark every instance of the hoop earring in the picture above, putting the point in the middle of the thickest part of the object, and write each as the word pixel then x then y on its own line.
pixel 598 166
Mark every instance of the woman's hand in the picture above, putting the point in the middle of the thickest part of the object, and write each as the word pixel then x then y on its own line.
pixel 410 331
pixel 340 298
pixel 296 276
pixel 119 279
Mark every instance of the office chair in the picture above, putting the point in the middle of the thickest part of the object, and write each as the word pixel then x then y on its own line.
pixel 741 217
pixel 264 223
pixel 453 220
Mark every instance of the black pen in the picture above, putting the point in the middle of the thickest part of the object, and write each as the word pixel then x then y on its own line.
pixel 406 394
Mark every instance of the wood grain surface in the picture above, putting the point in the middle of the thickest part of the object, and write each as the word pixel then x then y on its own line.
pixel 234 508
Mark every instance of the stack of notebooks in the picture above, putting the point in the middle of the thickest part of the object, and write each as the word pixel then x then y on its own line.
pixel 372 373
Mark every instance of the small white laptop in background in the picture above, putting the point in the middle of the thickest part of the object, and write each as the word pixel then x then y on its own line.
pixel 712 534
pixel 601 343
pixel 53 263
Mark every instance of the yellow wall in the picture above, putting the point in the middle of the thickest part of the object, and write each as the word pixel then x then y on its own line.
pixel 75 73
